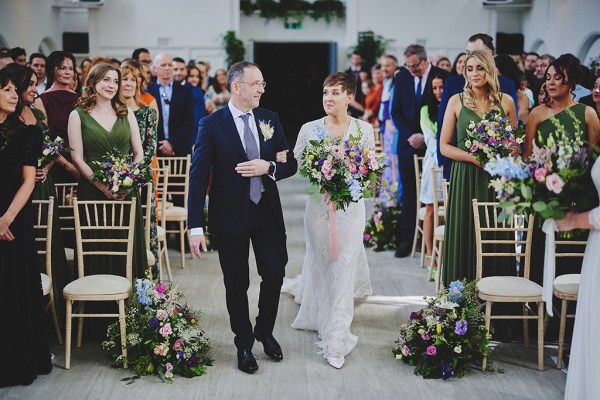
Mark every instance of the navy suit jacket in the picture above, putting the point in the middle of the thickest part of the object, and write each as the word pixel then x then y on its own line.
pixel 406 112
pixel 181 118
pixel 218 150
pixel 455 85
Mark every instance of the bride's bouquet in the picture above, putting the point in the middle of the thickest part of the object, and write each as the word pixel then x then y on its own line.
pixel 121 174
pixel 492 136
pixel 52 150
pixel 345 171
pixel 556 176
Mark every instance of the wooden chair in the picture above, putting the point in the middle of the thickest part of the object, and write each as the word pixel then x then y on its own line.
pixel 420 212
pixel 566 288
pixel 147 213
pixel 43 234
pixel 178 186
pixel 65 193
pixel 162 179
pixel 440 200
pixel 116 221
pixel 507 289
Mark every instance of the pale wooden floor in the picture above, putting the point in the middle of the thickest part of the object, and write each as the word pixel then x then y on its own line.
pixel 371 372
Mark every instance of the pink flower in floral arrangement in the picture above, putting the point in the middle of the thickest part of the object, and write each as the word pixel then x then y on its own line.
pixel 161 350
pixel 540 174
pixel 326 170
pixel 364 169
pixel 160 289
pixel 178 345
pixel 366 237
pixel 389 203
pixel 162 315
pixel 554 183
pixel 405 351
pixel 169 367
pixel 166 330
pixel 352 168
pixel 431 350
pixel 425 336
pixel 474 148
pixel 375 246
pixel 373 164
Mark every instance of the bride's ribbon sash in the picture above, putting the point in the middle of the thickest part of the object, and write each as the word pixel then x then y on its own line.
pixel 549 227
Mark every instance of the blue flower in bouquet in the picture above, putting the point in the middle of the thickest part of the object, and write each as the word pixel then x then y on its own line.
pixel 455 290
pixel 153 323
pixel 461 327
pixel 355 189
pixel 142 287
pixel 510 167
pixel 446 371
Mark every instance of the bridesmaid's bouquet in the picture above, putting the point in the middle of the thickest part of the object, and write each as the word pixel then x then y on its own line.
pixel 52 150
pixel 447 335
pixel 344 171
pixel 164 336
pixel 121 174
pixel 492 136
pixel 556 176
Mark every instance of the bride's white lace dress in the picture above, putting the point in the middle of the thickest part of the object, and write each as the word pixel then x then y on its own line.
pixel 326 289
pixel 583 379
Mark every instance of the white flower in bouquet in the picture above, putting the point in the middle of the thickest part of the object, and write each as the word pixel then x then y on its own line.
pixel 127 181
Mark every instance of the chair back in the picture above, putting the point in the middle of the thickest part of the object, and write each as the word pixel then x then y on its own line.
pixel 439 198
pixel 495 238
pixel 162 182
pixel 104 228
pixel 179 175
pixel 44 214
pixel 65 193
pixel 418 160
pixel 569 248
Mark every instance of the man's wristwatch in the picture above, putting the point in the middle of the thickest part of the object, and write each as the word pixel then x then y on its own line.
pixel 271 170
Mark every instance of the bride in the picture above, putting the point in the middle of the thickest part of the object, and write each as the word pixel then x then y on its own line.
pixel 326 289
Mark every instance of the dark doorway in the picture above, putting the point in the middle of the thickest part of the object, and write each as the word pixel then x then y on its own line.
pixel 295 73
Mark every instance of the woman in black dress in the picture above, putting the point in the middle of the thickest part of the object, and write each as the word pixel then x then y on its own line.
pixel 25 353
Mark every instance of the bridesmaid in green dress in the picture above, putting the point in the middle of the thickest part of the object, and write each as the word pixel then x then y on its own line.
pixel 561 77
pixel 102 123
pixel 468 180
pixel 146 116
pixel 26 81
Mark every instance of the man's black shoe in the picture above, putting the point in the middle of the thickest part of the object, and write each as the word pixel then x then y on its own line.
pixel 246 361
pixel 403 250
pixel 270 345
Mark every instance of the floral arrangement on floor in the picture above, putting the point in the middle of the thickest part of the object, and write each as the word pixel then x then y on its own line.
pixel 446 336
pixel 492 136
pixel 52 150
pixel 381 228
pixel 164 337
pixel 345 171
pixel 554 178
pixel 121 174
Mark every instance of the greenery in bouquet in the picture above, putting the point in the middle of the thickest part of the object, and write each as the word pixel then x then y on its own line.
pixel 381 228
pixel 344 171
pixel 122 174
pixel 445 337
pixel 492 136
pixel 164 337
pixel 554 178
pixel 52 150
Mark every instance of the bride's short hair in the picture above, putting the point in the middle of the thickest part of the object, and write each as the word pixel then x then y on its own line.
pixel 346 81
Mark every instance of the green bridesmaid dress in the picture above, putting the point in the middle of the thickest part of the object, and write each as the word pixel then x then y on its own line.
pixel 467 181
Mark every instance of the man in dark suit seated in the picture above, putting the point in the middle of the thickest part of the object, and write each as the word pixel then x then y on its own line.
pixel 176 108
pixel 411 91
pixel 456 84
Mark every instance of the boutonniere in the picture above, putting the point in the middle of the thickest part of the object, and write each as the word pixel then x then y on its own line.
pixel 266 129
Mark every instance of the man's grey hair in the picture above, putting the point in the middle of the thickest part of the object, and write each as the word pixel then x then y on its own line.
pixel 417 49
pixel 236 72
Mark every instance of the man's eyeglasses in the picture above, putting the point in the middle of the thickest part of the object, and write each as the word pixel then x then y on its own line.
pixel 414 66
pixel 255 84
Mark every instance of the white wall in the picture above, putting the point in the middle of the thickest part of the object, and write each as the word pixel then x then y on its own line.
pixel 25 23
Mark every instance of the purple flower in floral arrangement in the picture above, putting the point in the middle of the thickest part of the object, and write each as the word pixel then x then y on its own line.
pixel 405 351
pixel 425 336
pixel 431 350
pixel 178 345
pixel 461 327
pixel 153 323
pixel 192 362
pixel 446 371
pixel 366 237
pixel 357 158
pixel 169 367
pixel 415 316
pixel 320 161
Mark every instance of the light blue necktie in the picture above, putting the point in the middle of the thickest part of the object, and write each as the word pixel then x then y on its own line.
pixel 252 152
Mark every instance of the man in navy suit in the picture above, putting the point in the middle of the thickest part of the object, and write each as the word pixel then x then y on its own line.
pixel 239 144
pixel 176 107
pixel 411 90
pixel 456 84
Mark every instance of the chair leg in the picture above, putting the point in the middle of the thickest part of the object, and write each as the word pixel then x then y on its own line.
pixel 167 262
pixel 561 333
pixel 80 326
pixel 488 318
pixel 422 260
pixel 416 237
pixel 52 305
pixel 430 271
pixel 438 272
pixel 68 335
pixel 182 244
pixel 122 325
pixel 525 326
pixel 541 336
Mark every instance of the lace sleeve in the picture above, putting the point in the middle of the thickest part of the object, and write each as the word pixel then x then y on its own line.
pixel 368 139
pixel 301 144
pixel 594 218
pixel 150 137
